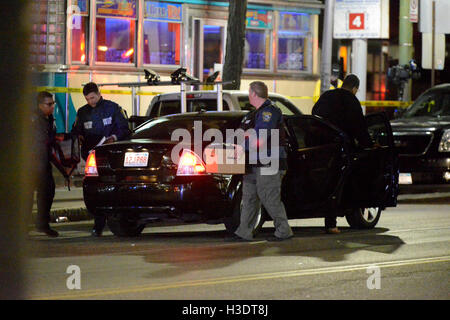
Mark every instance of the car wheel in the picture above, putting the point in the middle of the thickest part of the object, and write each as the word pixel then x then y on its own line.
pixel 122 226
pixel 232 222
pixel 363 218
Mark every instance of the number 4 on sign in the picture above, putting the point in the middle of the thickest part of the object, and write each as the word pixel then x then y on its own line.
pixel 356 21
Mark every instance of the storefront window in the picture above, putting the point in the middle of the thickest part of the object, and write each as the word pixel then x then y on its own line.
pixel 115 40
pixel 256 50
pixel 162 33
pixel 115 31
pixel 161 43
pixel 257 40
pixel 293 33
pixel 79 31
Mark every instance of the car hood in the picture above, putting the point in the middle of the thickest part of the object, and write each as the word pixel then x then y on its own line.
pixel 420 124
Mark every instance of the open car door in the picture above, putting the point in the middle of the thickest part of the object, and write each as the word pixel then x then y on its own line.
pixel 373 178
pixel 317 162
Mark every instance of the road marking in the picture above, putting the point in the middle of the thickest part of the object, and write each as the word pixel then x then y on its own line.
pixel 243 278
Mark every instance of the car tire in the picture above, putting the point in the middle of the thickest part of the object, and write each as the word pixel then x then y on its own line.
pixel 363 218
pixel 232 222
pixel 122 226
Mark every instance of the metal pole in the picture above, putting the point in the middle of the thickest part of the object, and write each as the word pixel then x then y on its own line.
pixel 66 125
pixel 134 104
pixel 219 97
pixel 405 44
pixel 433 42
pixel 327 44
pixel 183 97
pixel 359 66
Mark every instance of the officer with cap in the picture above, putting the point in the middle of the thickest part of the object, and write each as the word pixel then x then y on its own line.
pixel 99 120
pixel 262 182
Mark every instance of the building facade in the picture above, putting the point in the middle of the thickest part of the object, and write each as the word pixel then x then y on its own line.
pixel 111 41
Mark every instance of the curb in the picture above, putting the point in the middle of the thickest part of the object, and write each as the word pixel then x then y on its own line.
pixel 67 215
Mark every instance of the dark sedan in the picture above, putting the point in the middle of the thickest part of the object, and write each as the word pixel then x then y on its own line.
pixel 422 139
pixel 135 182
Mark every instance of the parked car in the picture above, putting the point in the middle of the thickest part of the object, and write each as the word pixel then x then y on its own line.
pixel 422 139
pixel 233 100
pixel 323 173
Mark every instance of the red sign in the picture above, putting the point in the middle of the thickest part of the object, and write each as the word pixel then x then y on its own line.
pixel 356 21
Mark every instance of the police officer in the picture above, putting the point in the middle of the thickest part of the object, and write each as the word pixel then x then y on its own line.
pixel 44 133
pixel 262 182
pixel 342 108
pixel 98 119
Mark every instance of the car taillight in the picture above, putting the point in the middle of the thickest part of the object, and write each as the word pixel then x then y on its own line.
pixel 190 164
pixel 90 170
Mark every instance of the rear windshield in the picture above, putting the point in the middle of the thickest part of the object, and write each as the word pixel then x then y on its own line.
pixel 430 104
pixel 162 128
pixel 285 106
pixel 167 107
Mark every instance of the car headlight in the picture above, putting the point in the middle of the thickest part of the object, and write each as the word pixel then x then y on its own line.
pixel 444 145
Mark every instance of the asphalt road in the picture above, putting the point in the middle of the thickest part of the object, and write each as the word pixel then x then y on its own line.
pixel 407 256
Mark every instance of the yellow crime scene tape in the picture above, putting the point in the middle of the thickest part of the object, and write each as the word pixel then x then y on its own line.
pixel 105 91
pixel 369 103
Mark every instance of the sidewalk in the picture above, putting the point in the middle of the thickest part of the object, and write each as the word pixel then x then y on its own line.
pixel 67 205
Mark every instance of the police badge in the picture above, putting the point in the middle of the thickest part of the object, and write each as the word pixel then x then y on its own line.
pixel 266 116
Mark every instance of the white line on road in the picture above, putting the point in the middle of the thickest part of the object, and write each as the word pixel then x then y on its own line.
pixel 243 278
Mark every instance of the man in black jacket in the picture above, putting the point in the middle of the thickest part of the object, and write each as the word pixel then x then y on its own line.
pixel 97 120
pixel 44 133
pixel 342 108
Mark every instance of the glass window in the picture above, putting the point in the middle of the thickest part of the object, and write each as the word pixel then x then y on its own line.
pixel 162 33
pixel 115 40
pixel 257 39
pixel 310 132
pixel 171 107
pixel 293 33
pixel 162 42
pixel 285 106
pixel 115 31
pixel 213 37
pixel 79 37
pixel 162 128
pixel 257 50
pixel 430 104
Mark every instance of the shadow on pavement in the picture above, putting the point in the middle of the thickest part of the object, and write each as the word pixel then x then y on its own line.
pixel 188 251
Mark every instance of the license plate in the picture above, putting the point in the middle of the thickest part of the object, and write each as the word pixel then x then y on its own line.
pixel 135 159
pixel 405 178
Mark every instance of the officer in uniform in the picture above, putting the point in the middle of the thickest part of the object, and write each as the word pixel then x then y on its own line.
pixel 262 184
pixel 99 119
pixel 342 108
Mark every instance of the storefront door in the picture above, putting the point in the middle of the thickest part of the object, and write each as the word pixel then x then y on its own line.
pixel 209 47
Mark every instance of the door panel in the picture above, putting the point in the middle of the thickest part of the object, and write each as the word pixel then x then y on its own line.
pixel 374 176
pixel 315 166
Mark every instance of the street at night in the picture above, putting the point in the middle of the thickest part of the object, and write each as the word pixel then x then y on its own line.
pixel 410 246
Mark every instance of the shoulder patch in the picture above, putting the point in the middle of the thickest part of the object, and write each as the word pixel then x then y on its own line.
pixel 266 116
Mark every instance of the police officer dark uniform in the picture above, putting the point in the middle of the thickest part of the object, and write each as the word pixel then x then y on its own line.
pixel 44 133
pixel 262 182
pixel 342 108
pixel 98 119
